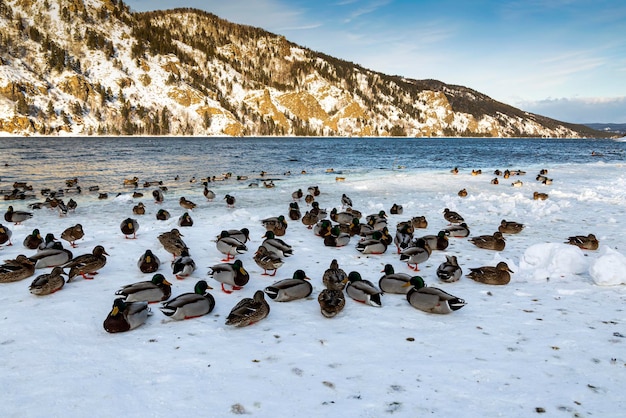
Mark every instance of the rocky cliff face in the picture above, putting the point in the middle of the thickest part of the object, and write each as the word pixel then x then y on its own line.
pixel 91 67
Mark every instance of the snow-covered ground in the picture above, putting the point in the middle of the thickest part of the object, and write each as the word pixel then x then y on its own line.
pixel 552 340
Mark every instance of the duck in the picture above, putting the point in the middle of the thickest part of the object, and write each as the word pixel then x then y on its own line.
pixel 125 316
pixel 162 215
pixel 498 275
pixel 455 170
pixel 458 231
pixel 5 235
pixel 51 257
pixel 433 300
pixel 137 195
pixel 87 265
pixel 539 196
pixel 46 284
pixel 208 194
pixel 336 238
pixel 186 204
pixel 267 261
pixel 452 217
pixel 362 290
pixel 249 311
pixel 230 201
pixel 33 240
pixel 297 195
pixel 157 195
pixel 15 270
pixel 185 220
pixel 353 228
pixel 416 254
pixel 276 245
pixel 331 301
pixel 489 242
pixel 139 209
pixel 158 289
pixel 230 246
pixel 172 242
pixel 314 190
pixel 334 277
pixel 242 234
pixel 495 181
pixel 233 274
pixel 346 201
pixel 510 227
pixel 373 245
pixel 449 271
pixel 129 226
pixel 309 219
pixel 462 193
pixel 190 305
pixel 589 242
pixel 148 262
pixel 290 289
pixel 437 242
pixel 276 224
pixel 294 211
pixel 419 222
pixel 392 282
pixel 396 209
pixel 73 234
pixel 309 199
pixel 317 211
pixel 377 221
pixel 322 228
pixel 183 265
pixel 16 216
pixel 517 183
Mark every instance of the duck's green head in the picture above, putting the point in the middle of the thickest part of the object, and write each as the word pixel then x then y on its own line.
pixel 118 306
pixel 389 269
pixel 417 282
pixel 300 274
pixel 269 235
pixel 158 279
pixel 354 276
pixel 201 287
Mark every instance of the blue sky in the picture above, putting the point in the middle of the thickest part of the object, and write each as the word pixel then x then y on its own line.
pixel 565 59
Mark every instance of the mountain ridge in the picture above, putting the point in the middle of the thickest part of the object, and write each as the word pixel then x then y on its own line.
pixel 93 67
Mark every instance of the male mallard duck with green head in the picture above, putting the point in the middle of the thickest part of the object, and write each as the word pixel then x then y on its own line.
pixel 156 290
pixel 232 274
pixel 392 282
pixel 449 271
pixel 290 289
pixel 33 240
pixel 362 290
pixel 433 300
pixel 190 305
pixel 126 316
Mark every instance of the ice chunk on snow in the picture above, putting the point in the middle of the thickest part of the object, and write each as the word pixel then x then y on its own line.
pixel 553 260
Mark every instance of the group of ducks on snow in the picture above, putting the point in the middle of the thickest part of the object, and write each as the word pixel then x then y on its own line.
pixel 130 309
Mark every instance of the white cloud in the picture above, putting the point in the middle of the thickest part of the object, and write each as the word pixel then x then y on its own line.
pixel 579 109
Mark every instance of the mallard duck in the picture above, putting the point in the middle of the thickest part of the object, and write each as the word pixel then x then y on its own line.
pixel 392 282
pixel 51 257
pixel 332 301
pixel 276 245
pixel 87 265
pixel 172 242
pixel 208 193
pixel 267 260
pixel 129 226
pixel 416 254
pixel 233 274
pixel 229 246
pixel 162 215
pixel 373 245
pixel 498 275
pixel 343 218
pixel 148 262
pixel 186 204
pixel 33 240
pixel 334 277
pixel 190 305
pixel 589 242
pixel 183 265
pixel 377 221
pixel 517 183
pixel 156 290
pixel 540 196
pixel 297 195
pixel 314 190
pixel 489 242
pixel 5 235
pixel 230 201
pixel 294 211
pixel 462 193
pixel 15 270
pixel 72 234
pixel 449 271
pixel 510 227
pixel 276 224
pixel 249 310
pixel 363 291
pixel 322 228
pixel 185 220
pixel 309 199
pixel 46 284
pixel 126 316
pixel 157 195
pixel 317 211
pixel 346 201
pixel 458 231
pixel 290 289
pixel 309 219
pixel 352 229
pixel 452 217
pixel 336 238
pixel 404 235
pixel 433 300
pixel 477 172
pixel 455 170
pixel 396 209
pixel 437 242
pixel 419 222
pixel 495 181
pixel 137 195
pixel 16 216
pixel 139 209
pixel 242 234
